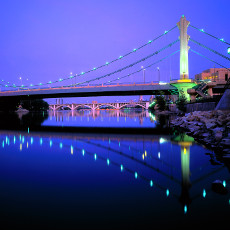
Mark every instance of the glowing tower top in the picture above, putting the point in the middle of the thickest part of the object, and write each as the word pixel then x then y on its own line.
pixel 184 38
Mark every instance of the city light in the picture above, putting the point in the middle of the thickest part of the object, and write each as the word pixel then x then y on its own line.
pixel 228 50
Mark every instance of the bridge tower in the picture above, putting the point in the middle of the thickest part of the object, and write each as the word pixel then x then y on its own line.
pixel 184 38
pixel 184 83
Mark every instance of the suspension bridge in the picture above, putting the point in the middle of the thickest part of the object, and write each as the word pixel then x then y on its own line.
pixel 84 87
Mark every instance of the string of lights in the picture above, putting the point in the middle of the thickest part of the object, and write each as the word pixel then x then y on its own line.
pixel 214 51
pixel 128 66
pixel 145 67
pixel 7 84
pixel 202 30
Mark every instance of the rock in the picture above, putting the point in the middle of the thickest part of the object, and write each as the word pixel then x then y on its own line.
pixel 218 187
pixel 218 136
pixel 210 125
pixel 205 134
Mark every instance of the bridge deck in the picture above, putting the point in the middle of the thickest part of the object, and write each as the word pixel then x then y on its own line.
pixel 88 91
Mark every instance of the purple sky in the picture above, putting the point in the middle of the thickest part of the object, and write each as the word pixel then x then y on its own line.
pixel 45 40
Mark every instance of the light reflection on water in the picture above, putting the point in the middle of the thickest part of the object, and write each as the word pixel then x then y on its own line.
pixel 101 118
pixel 77 177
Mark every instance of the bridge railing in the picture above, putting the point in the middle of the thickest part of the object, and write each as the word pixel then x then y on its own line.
pixel 85 86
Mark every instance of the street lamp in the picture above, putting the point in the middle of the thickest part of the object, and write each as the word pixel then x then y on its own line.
pixel 158 68
pixel 20 78
pixel 143 73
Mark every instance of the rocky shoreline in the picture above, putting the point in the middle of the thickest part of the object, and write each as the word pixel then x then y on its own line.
pixel 212 128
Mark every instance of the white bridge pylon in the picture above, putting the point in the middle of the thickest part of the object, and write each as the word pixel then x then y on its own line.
pixel 94 106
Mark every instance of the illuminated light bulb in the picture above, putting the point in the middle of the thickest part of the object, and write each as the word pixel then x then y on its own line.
pixel 40 83
pixel 31 85
pixel 94 68
pixel 122 168
pixel 95 156
pixel 14 139
pixel 41 141
pixel 61 145
pixel 136 175
pixel 134 50
pixel 82 73
pixel 50 82
pixel 27 144
pixel 222 39
pixel 28 130
pixel 143 156
pixel 51 143
pixel 150 41
pixel 185 209
pixel 3 144
pixel 151 183
pixel 83 152
pixel 20 146
pixel 145 153
pixel 20 137
pixel 108 161
pixel 60 79
pixel 71 149
pixel 23 139
pixel 119 144
pixel 167 192
pixel 107 63
pixel 204 193
pixel 166 31
pixel 31 140
pixel 120 57
pixel 224 183
pixel 109 140
pixel 202 30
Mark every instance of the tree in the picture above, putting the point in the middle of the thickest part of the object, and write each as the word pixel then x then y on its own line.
pixel 161 102
pixel 182 101
pixel 35 105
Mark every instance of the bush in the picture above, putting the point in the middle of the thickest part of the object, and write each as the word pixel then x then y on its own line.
pixel 161 102
pixel 182 101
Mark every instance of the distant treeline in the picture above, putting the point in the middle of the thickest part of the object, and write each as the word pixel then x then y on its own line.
pixel 31 105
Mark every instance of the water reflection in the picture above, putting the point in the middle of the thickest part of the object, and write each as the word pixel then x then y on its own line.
pixel 115 118
pixel 161 162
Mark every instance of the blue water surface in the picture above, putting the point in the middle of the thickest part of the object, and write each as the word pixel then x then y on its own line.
pixel 108 181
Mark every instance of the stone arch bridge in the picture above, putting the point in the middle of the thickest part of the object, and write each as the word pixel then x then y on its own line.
pixel 95 105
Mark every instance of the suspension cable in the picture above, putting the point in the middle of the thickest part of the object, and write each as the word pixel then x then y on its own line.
pixel 214 51
pixel 228 81
pixel 128 75
pixel 201 30
pixel 128 66
pixel 91 70
pixel 145 67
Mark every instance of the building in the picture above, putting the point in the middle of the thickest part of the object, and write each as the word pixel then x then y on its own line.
pixel 214 74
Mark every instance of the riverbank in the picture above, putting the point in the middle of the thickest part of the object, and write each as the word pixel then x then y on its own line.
pixel 212 128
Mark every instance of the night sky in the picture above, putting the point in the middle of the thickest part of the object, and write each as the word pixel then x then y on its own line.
pixel 45 40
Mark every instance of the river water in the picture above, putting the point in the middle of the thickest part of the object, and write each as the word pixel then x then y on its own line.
pixel 106 180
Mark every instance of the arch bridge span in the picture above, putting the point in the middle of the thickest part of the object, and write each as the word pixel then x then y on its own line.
pixel 95 105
